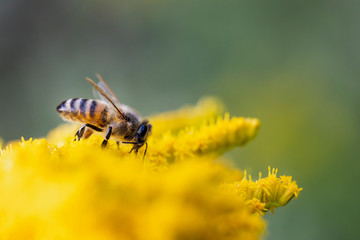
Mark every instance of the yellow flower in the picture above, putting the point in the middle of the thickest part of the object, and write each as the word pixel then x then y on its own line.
pixel 56 188
pixel 187 133
pixel 266 193
pixel 206 108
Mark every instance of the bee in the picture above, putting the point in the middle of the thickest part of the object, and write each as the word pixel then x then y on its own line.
pixel 106 115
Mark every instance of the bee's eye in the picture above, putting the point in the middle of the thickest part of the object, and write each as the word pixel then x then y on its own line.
pixel 142 130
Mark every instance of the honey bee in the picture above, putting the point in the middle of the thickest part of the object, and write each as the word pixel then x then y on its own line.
pixel 121 122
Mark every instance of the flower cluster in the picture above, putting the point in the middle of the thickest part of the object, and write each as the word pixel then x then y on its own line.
pixel 266 193
pixel 56 188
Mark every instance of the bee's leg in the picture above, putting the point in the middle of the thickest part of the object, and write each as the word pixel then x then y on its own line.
pixel 118 144
pixel 135 148
pixel 87 133
pixel 94 127
pixel 107 136
pixel 79 134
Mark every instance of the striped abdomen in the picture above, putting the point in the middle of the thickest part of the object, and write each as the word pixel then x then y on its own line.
pixel 95 112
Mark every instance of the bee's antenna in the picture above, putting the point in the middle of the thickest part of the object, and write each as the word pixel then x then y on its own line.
pixel 145 150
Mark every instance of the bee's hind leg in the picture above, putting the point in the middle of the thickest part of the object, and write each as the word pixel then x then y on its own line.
pixel 80 133
pixel 107 136
pixel 87 133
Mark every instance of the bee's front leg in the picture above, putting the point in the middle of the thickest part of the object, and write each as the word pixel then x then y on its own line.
pixel 107 136
pixel 135 148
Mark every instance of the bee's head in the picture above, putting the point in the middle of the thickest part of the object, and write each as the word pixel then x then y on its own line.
pixel 143 132
pixel 141 135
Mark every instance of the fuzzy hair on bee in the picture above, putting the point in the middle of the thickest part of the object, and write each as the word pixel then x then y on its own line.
pixel 107 115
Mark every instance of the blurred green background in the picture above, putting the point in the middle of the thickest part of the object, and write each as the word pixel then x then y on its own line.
pixel 294 65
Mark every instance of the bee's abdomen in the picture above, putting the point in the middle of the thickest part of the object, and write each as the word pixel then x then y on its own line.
pixel 84 110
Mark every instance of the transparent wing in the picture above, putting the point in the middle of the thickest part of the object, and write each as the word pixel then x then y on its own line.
pixel 100 96
pixel 104 86
pixel 107 95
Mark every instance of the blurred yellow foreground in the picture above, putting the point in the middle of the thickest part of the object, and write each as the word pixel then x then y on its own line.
pixel 56 188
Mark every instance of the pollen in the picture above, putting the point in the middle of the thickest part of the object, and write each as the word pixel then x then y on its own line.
pixel 57 188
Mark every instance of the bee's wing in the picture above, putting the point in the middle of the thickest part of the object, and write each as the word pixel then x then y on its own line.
pixel 104 86
pixel 108 96
pixel 98 95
